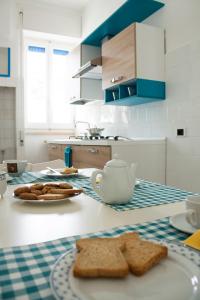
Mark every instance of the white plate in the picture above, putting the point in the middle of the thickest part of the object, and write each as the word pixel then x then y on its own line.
pixel 8 178
pixel 179 222
pixel 46 201
pixel 51 174
pixel 176 277
pixel 137 182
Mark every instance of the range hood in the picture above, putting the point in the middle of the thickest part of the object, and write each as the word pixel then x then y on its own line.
pixel 92 69
pixel 87 91
pixel 82 101
pixel 86 85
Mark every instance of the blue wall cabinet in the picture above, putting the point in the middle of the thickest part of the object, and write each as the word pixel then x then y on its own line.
pixel 131 11
pixel 4 62
pixel 133 66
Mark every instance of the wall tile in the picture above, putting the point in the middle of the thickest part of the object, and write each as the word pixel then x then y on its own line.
pixel 7 124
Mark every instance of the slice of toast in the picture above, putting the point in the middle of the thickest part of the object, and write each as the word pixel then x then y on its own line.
pixel 113 242
pixel 118 242
pixel 100 261
pixel 130 236
pixel 143 255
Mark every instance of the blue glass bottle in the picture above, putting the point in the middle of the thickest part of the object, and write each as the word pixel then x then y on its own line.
pixel 68 156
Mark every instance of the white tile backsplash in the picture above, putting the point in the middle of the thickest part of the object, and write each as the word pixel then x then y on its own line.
pixel 7 123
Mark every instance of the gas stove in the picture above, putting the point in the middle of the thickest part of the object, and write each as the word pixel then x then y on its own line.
pixel 100 137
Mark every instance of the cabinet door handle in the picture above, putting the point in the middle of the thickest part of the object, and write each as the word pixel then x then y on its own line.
pixel 93 150
pixel 53 147
pixel 116 79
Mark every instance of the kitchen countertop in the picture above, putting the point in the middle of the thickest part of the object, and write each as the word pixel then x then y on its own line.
pixel 108 142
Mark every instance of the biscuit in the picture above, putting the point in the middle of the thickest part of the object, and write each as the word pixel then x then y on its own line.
pixel 66 191
pixel 56 185
pixel 51 197
pixel 23 189
pixel 65 185
pixel 37 186
pixel 37 192
pixel 70 170
pixel 28 196
pixel 46 189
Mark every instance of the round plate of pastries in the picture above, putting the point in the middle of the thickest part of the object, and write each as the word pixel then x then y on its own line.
pixel 46 193
pixel 63 172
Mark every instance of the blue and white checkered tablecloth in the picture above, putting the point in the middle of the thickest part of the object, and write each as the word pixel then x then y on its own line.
pixel 146 194
pixel 24 271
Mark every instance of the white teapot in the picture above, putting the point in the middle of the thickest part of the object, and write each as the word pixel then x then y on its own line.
pixel 117 181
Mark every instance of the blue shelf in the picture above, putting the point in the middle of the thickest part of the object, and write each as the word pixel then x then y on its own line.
pixel 7 74
pixel 131 11
pixel 135 92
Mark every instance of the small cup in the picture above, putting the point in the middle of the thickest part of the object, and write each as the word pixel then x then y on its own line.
pixel 15 167
pixel 193 210
pixel 3 183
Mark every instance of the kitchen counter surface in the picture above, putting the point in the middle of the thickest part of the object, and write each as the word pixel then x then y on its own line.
pixel 108 142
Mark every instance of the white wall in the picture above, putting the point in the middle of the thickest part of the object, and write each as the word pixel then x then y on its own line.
pixel 50 18
pixel 181 109
pixel 9 37
pixel 95 12
pixel 42 18
pixel 36 150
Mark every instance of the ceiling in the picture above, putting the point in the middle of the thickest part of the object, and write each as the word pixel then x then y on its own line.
pixel 74 4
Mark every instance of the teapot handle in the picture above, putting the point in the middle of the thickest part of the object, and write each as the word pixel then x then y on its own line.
pixel 96 186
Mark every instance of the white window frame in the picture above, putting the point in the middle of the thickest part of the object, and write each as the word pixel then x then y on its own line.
pixel 49 45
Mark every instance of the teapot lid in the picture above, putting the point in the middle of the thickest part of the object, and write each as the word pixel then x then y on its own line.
pixel 116 163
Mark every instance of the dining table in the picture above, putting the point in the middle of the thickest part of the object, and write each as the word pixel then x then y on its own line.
pixel 33 236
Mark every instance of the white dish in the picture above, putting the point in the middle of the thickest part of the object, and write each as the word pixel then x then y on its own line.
pixel 8 178
pixel 51 174
pixel 179 222
pixel 176 277
pixel 137 182
pixel 46 201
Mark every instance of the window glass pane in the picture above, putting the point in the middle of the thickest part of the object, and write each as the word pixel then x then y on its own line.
pixel 36 85
pixel 60 88
pixel 60 52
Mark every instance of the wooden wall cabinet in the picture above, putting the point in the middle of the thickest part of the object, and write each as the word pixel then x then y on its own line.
pixel 133 66
pixel 119 61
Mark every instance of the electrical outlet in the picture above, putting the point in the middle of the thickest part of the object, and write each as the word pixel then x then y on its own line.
pixel 181 132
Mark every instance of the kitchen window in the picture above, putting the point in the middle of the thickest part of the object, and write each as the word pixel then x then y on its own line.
pixel 47 86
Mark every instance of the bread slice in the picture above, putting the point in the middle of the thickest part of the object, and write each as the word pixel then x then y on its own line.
pixel 143 255
pixel 100 261
pixel 130 236
pixel 113 242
